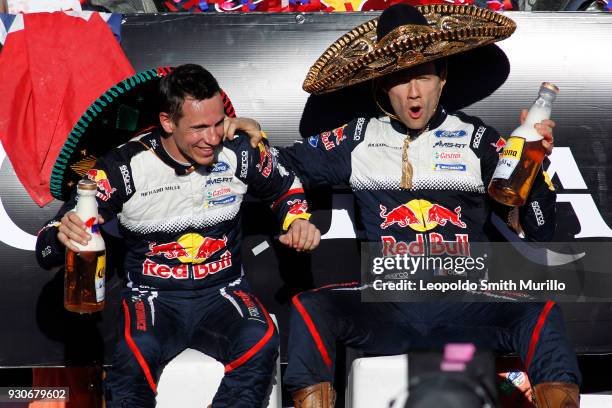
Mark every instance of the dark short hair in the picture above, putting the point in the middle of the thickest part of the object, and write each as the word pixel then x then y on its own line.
pixel 441 67
pixel 189 80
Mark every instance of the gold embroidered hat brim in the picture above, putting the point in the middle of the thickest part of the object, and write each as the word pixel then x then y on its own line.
pixel 358 57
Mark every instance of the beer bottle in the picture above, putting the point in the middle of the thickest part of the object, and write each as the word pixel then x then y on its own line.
pixel 523 154
pixel 85 269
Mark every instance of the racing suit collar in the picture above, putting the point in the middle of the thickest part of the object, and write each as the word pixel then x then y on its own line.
pixel 436 120
pixel 153 141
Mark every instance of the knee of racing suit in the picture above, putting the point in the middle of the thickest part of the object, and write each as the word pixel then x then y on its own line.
pixel 133 375
pixel 545 348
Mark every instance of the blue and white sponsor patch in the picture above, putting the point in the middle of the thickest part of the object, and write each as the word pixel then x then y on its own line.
pixel 517 378
pixel 450 133
pixel 313 141
pixel 218 167
pixel 450 167
pixel 226 200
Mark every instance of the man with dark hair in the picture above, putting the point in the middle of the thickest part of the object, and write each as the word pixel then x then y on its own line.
pixel 177 192
pixel 188 81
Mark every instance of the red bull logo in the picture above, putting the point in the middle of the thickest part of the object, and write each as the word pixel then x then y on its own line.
pixel 430 244
pixel 150 268
pixel 298 207
pixel 198 271
pixel 402 216
pixel 189 248
pixel 265 158
pixel 441 215
pixel 105 190
pixel 170 250
pixel 333 138
pixel 499 145
pixel 420 215
pixel 209 246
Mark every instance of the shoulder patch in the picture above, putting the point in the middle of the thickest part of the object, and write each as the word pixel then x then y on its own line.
pixel 478 136
pixel 359 129
pixel 105 190
pixel 334 138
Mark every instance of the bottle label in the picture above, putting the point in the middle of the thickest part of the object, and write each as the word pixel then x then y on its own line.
pixel 509 158
pixel 100 275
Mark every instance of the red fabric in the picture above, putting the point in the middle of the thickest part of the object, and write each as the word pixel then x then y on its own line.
pixel 313 331
pixel 255 349
pixel 51 72
pixel 137 354
pixel 535 336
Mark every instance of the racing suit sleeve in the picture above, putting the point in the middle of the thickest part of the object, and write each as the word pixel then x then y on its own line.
pixel 110 196
pixel 325 159
pixel 537 218
pixel 538 215
pixel 270 181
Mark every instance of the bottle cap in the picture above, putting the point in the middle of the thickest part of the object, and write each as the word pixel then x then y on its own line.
pixel 550 86
pixel 86 184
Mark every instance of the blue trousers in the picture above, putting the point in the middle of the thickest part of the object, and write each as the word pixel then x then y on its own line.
pixel 322 317
pixel 226 323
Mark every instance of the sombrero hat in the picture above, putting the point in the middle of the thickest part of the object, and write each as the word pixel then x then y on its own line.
pixel 403 37
pixel 123 111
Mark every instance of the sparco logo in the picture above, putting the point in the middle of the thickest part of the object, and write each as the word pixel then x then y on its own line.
pixel 478 136
pixel 538 213
pixel 244 164
pixel 127 180
pixel 358 129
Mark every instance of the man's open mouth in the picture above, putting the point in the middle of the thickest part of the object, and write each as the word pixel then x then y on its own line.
pixel 415 112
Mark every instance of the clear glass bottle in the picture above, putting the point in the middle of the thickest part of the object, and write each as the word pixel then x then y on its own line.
pixel 85 270
pixel 523 154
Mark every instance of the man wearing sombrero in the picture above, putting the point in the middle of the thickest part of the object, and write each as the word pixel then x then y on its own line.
pixel 415 160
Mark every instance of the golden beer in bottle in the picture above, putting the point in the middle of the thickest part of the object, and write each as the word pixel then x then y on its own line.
pixel 523 154
pixel 85 270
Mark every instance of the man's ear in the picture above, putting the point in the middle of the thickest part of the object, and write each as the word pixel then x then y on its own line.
pixel 166 122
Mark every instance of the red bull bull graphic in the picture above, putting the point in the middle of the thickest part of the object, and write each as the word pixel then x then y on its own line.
pixel 105 190
pixel 401 215
pixel 298 207
pixel 209 246
pixel 333 138
pixel 189 248
pixel 427 244
pixel 420 215
pixel 170 250
pixel 499 145
pixel 441 215
pixel 265 159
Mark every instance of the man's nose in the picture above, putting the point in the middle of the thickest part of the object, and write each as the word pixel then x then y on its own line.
pixel 413 91
pixel 212 136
